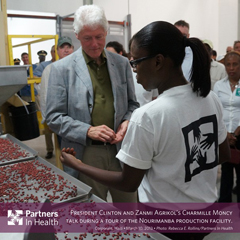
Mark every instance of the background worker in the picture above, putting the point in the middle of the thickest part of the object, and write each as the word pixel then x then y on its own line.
pixel 39 70
pixel 217 69
pixel 116 47
pixel 16 61
pixel 25 92
pixel 41 56
pixel 184 28
pixel 64 48
pixel 228 91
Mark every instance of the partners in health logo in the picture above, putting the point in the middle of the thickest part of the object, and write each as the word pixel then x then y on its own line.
pixel 15 217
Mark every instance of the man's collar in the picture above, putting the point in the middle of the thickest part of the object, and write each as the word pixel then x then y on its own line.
pixel 88 59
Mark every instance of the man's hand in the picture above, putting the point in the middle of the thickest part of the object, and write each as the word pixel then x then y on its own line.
pixel 101 133
pixel 122 129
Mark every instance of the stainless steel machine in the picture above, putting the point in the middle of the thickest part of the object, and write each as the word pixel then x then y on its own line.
pixel 19 118
pixel 12 79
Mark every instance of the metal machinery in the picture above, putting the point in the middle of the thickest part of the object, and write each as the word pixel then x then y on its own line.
pixel 13 78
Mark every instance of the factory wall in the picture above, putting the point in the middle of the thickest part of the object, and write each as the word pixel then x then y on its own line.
pixel 216 20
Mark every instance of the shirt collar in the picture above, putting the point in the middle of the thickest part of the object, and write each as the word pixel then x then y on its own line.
pixel 88 59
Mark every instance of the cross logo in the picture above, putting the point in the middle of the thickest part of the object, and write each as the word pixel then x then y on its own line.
pixel 14 217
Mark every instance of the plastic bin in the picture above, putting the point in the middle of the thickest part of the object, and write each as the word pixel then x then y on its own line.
pixel 25 122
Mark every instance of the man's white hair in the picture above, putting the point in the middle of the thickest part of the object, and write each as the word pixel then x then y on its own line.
pixel 91 16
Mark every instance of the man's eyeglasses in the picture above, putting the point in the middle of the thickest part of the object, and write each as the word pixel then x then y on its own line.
pixel 135 62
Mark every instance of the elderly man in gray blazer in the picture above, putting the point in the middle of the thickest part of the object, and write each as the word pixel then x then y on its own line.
pixel 90 100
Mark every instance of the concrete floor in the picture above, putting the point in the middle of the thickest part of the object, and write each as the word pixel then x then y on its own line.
pixel 39 145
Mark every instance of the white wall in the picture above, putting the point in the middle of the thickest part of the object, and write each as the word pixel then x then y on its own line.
pixel 60 7
pixel 115 10
pixel 23 26
pixel 228 23
pixel 216 20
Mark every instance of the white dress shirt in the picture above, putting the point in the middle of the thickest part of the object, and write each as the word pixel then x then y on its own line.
pixel 217 72
pixel 230 102
pixel 187 63
pixel 43 90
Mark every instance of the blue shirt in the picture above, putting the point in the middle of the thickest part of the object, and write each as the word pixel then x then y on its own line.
pixel 26 91
pixel 39 70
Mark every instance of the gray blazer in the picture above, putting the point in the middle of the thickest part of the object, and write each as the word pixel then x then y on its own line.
pixel 70 97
